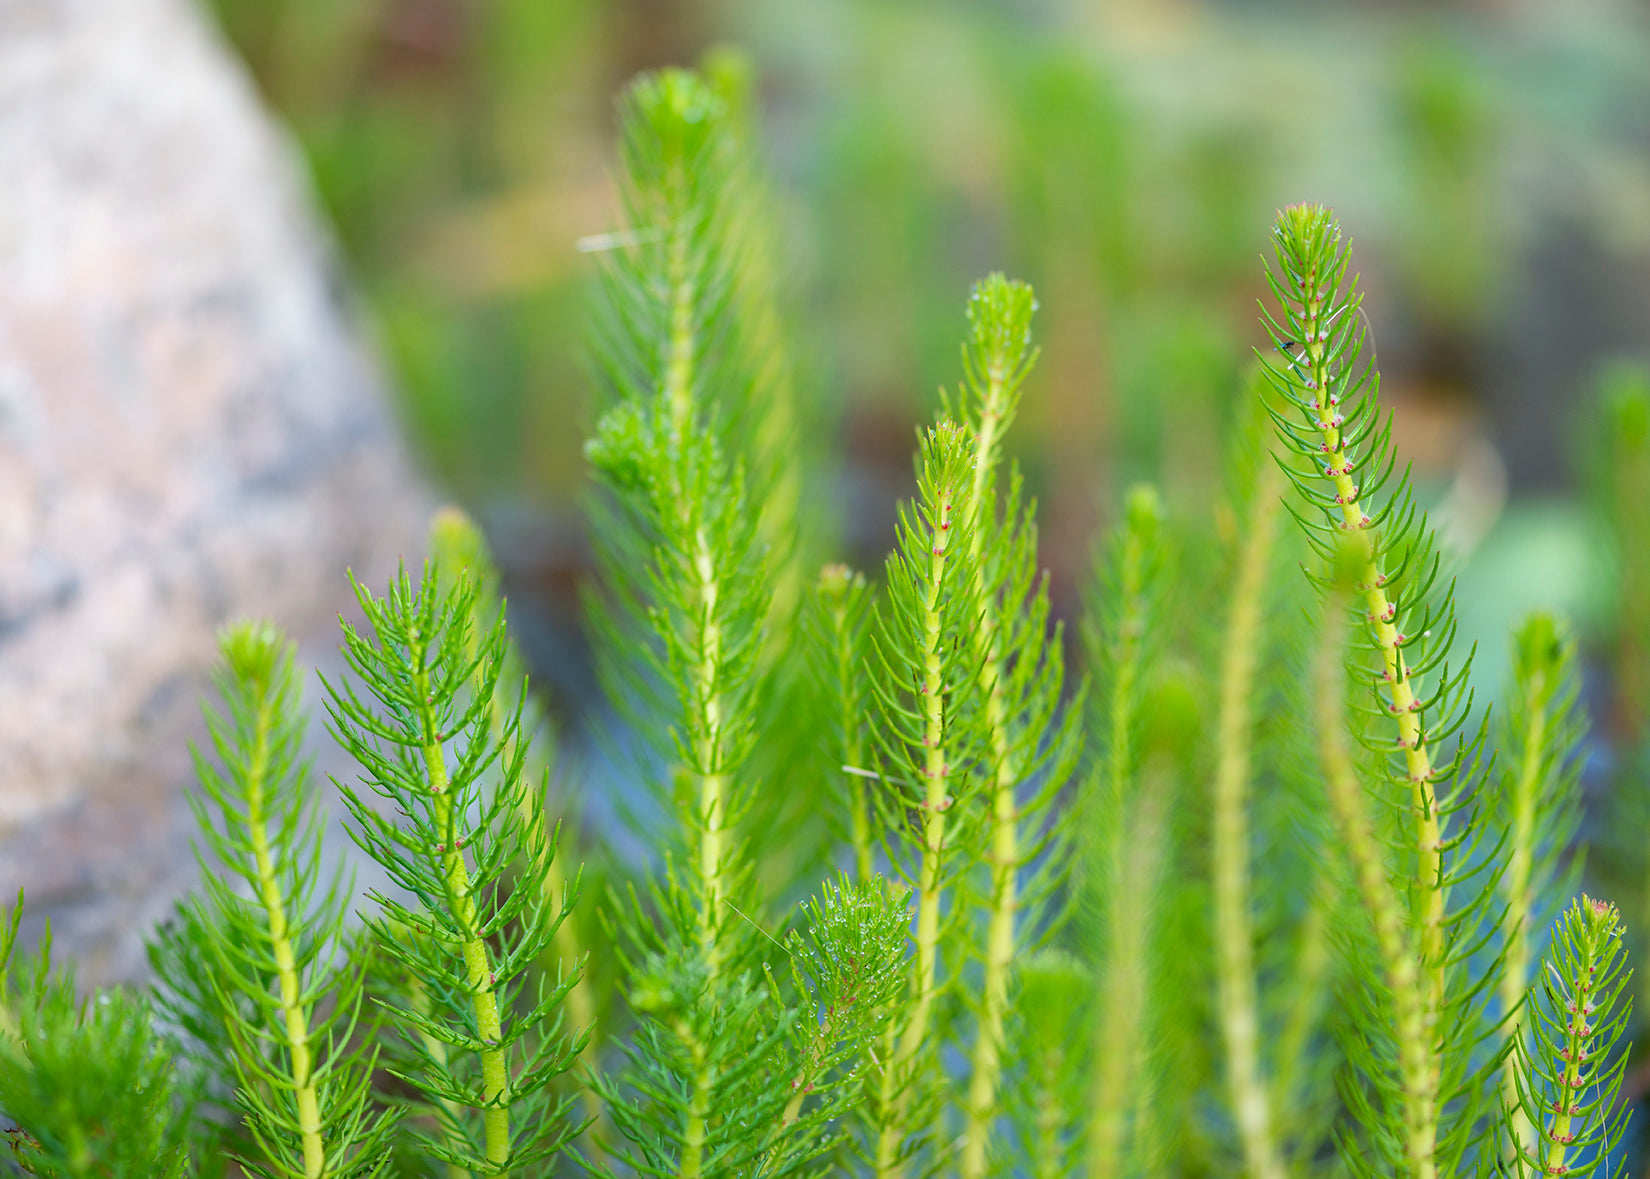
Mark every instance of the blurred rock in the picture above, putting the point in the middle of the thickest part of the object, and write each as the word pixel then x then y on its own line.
pixel 190 431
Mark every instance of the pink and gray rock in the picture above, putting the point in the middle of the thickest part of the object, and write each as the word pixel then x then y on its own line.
pixel 191 431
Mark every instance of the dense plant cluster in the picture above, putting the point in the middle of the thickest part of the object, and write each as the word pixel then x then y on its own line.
pixel 1259 889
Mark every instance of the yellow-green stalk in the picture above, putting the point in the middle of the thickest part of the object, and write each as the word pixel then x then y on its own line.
pixel 1234 935
pixel 1539 805
pixel 999 313
pixel 707 751
pixel 251 970
pixel 1131 822
pixel 936 802
pixel 1379 609
pixel 478 970
pixel 1120 1040
pixel 689 579
pixel 929 601
pixel 417 718
pixel 1399 959
pixel 1568 1070
pixel 458 547
pixel 1363 519
pixel 295 1023
pixel 686 100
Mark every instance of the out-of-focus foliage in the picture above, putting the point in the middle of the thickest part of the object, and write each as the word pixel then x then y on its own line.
pixel 1116 155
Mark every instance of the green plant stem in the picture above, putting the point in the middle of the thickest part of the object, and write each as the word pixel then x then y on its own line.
pixel 1123 980
pixel 707 750
pixel 936 801
pixel 1516 884
pixel 696 1131
pixel 495 1078
pixel 679 393
pixel 1121 1041
pixel 1404 706
pixel 1005 846
pixel 679 363
pixel 1398 956
pixel 296 1015
pixel 1234 936
pixel 1050 1150
pixel 887 1110
pixel 455 527
pixel 1582 985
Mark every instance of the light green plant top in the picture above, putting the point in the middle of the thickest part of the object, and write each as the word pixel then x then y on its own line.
pixel 1539 806
pixel 417 715
pixel 1032 729
pixel 251 972
pixel 686 574
pixel 92 1092
pixel 1566 1068
pixel 1129 975
pixel 929 742
pixel 1420 1117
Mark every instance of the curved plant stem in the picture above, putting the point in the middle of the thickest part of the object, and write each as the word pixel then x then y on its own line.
pixel 1386 556
pixel 1404 705
pixel 1234 936
pixel 1398 953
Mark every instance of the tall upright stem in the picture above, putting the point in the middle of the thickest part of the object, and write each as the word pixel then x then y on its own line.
pixel 1120 1044
pixel 936 802
pixel 478 973
pixel 708 748
pixel 1129 855
pixel 1234 935
pixel 1517 887
pixel 1404 706
pixel 1416 1063
pixel 295 1013
pixel 1005 840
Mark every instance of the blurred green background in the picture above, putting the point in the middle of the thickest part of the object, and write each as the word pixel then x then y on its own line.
pixel 1491 159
